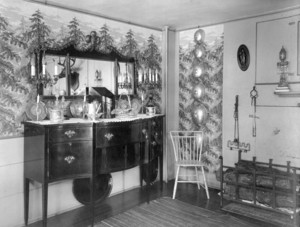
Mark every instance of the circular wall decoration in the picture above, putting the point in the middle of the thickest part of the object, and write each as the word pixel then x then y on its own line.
pixel 199 52
pixel 199 36
pixel 199 114
pixel 198 91
pixel 197 71
pixel 243 57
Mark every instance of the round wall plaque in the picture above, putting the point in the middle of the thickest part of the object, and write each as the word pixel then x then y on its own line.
pixel 243 57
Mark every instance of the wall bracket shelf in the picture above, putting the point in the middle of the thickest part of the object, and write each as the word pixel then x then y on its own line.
pixel 287 93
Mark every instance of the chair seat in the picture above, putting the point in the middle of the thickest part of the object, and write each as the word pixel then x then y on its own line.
pixel 189 163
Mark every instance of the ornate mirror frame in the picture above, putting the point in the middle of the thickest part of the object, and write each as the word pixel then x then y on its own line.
pixel 90 50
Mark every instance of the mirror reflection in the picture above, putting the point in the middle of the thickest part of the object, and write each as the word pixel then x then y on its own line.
pixel 117 77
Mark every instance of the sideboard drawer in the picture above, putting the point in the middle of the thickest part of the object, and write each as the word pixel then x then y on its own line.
pixel 70 159
pixel 117 135
pixel 112 136
pixel 62 134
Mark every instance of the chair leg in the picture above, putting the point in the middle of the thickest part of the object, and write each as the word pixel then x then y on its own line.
pixel 176 182
pixel 205 184
pixel 198 179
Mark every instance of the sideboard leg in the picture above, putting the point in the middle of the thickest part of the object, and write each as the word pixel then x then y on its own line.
pixel 26 199
pixel 161 171
pixel 92 186
pixel 45 202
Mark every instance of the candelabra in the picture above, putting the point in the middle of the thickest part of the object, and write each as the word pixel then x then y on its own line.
pixel 39 75
pixel 148 78
pixel 282 66
pixel 125 78
pixel 124 81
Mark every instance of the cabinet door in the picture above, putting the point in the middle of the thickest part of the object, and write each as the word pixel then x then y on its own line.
pixel 117 158
pixel 156 137
pixel 70 159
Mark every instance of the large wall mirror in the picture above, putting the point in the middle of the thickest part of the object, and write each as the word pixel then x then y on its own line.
pixel 88 73
pixel 74 70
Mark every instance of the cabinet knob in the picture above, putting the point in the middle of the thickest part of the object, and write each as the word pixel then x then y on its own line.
pixel 108 136
pixel 70 133
pixel 69 159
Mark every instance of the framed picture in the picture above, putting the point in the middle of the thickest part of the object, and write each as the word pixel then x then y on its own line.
pixel 243 57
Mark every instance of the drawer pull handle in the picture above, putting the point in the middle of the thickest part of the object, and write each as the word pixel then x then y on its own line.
pixel 70 133
pixel 108 136
pixel 69 159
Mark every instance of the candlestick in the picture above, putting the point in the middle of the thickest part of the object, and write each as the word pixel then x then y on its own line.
pixel 44 69
pixel 32 70
pixel 140 76
pixel 55 70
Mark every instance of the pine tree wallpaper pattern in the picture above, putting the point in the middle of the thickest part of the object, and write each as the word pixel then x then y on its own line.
pixel 210 99
pixel 17 46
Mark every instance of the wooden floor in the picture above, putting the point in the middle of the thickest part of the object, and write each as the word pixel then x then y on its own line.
pixel 113 205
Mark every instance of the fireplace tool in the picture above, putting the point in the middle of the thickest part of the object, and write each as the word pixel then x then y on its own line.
pixel 253 96
pixel 236 144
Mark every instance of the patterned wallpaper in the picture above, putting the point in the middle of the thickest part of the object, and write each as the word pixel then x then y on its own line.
pixel 200 88
pixel 23 24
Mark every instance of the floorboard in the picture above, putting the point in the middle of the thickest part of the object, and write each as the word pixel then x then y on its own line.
pixel 119 203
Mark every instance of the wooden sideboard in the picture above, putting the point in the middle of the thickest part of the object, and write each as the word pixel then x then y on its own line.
pixel 83 149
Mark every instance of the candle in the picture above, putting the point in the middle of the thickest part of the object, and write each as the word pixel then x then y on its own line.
pixel 156 75
pixel 32 70
pixel 38 99
pixel 140 76
pixel 142 96
pixel 55 70
pixel 44 69
pixel 84 98
pixel 153 76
